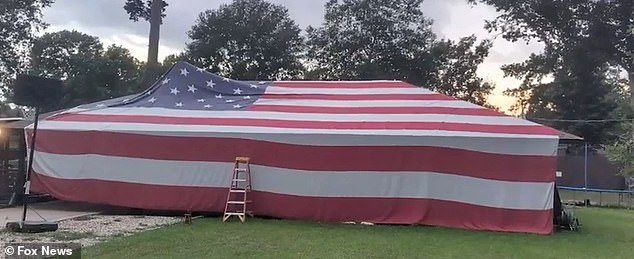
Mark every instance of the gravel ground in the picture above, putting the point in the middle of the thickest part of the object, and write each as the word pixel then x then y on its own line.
pixel 89 230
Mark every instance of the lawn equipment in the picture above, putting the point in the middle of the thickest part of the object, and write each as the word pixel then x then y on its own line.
pixel 564 217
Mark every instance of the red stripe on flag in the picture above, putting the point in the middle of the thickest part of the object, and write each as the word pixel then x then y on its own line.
pixel 313 158
pixel 375 110
pixel 360 97
pixel 403 211
pixel 298 124
pixel 377 210
pixel 344 84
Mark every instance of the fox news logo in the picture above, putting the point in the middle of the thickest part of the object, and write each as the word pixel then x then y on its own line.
pixel 42 250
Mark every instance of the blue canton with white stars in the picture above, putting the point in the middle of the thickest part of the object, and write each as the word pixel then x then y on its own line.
pixel 186 87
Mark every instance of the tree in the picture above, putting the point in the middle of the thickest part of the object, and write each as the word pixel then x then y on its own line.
pixel 89 72
pixel 604 29
pixel 139 9
pixel 372 39
pixel 386 39
pixel 457 70
pixel 622 153
pixel 20 20
pixel 6 111
pixel 64 54
pixel 152 11
pixel 172 59
pixel 582 88
pixel 247 39
pixel 122 72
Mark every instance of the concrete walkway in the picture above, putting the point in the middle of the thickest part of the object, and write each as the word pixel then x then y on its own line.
pixel 50 211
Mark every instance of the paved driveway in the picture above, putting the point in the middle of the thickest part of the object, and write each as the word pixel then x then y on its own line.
pixel 51 211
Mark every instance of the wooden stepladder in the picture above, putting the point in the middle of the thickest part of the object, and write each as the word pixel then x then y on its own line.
pixel 238 190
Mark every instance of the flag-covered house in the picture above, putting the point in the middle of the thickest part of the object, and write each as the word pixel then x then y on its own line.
pixel 376 151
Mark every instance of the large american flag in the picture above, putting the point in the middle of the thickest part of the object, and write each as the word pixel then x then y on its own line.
pixel 379 151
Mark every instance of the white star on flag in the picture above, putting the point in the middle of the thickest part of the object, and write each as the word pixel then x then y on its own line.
pixel 237 106
pixel 179 104
pixel 152 100
pixel 184 71
pixel 230 101
pixel 200 70
pixel 237 91
pixel 207 106
pixel 174 91
pixel 254 86
pixel 261 82
pixel 166 80
pixel 192 88
pixel 211 83
pixel 247 97
pixel 148 93
pixel 226 79
pixel 219 96
pixel 201 100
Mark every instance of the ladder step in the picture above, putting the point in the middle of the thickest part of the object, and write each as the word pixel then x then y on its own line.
pixel 239 202
pixel 241 169
pixel 238 190
pixel 234 214
pixel 239 180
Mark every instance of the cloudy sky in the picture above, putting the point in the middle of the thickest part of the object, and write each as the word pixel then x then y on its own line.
pixel 107 19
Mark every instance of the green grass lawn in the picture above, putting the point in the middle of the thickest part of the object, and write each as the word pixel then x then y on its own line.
pixel 605 233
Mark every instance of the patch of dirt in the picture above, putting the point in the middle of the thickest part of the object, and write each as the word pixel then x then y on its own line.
pixel 83 218
pixel 90 230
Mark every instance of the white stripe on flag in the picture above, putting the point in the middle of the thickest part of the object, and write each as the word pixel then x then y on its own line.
pixel 199 130
pixel 471 119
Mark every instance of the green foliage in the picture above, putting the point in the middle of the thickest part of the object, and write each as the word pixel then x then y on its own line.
pixel 605 26
pixel 172 59
pixel 64 54
pixel 247 39
pixel 90 73
pixel 19 21
pixel 581 88
pixel 7 112
pixel 372 39
pixel 139 9
pixel 386 39
pixel 622 153
pixel 457 70
pixel 123 71
pixel 588 43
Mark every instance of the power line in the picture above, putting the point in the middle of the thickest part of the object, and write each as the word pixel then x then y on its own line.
pixel 588 121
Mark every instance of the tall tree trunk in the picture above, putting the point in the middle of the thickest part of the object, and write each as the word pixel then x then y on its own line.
pixel 155 25
pixel 152 67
